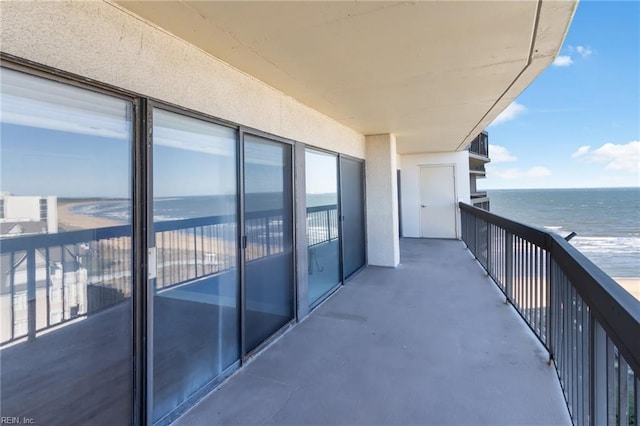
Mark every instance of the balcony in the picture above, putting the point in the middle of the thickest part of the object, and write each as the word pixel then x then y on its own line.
pixel 479 151
pixel 480 199
pixel 431 341
pixel 478 171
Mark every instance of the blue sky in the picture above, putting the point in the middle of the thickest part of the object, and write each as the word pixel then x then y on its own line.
pixel 578 124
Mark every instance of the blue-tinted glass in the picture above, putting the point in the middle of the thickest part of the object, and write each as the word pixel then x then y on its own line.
pixel 353 222
pixel 322 223
pixel 65 289
pixel 195 303
pixel 269 231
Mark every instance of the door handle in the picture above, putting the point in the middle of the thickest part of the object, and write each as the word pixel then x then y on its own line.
pixel 423 206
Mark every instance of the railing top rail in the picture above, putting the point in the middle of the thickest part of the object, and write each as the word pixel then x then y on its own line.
pixel 532 234
pixel 322 208
pixel 617 311
pixel 614 308
pixel 40 241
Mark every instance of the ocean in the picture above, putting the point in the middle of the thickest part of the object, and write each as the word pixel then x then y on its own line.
pixel 176 208
pixel 606 220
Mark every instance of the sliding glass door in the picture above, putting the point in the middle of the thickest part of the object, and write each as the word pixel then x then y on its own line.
pixel 90 322
pixel 353 215
pixel 196 291
pixel 323 238
pixel 66 289
pixel 268 238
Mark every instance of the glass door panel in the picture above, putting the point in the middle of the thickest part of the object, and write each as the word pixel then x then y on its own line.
pixel 66 327
pixel 353 214
pixel 268 226
pixel 195 297
pixel 323 239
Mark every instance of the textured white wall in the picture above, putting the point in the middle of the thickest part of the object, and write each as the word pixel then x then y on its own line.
pixel 410 186
pixel 22 208
pixel 383 245
pixel 100 41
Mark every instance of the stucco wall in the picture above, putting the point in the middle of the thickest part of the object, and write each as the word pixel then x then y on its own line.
pixel 383 247
pixel 100 41
pixel 410 185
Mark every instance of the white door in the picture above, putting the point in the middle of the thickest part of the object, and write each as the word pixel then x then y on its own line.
pixel 437 202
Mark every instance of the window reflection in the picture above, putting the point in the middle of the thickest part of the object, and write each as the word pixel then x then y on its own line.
pixel 195 325
pixel 65 326
pixel 322 223
pixel 269 231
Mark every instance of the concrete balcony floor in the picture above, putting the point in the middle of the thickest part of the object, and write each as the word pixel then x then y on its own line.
pixel 429 342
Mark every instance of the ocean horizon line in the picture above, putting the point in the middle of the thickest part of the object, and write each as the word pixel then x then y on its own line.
pixel 560 189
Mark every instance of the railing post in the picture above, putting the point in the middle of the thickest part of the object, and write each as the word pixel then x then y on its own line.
pixel 12 287
pixel 598 382
pixel 328 225
pixel 31 294
pixel 463 225
pixel 268 237
pixel 475 236
pixel 489 254
pixel 550 301
pixel 508 265
pixel 637 395
pixel 195 251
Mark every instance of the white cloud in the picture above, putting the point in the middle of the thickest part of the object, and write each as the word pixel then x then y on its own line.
pixel 535 172
pixel 583 150
pixel 625 157
pixel 500 154
pixel 512 111
pixel 563 61
pixel 584 51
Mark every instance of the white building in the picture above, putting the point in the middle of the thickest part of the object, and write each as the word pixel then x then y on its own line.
pixel 27 215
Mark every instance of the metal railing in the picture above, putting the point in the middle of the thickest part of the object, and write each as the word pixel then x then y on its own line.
pixel 588 323
pixel 322 224
pixel 480 145
pixel 188 249
pixel 50 279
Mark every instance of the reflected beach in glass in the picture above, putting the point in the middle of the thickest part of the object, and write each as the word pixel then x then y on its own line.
pixel 66 315
pixel 322 223
pixel 195 303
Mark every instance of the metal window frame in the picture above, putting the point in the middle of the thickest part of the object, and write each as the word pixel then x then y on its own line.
pixel 143 237
pixel 136 156
pixel 361 161
pixel 332 290
pixel 190 401
pixel 248 355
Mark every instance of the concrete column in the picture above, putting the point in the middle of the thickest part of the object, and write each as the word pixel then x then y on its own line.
pixel 383 245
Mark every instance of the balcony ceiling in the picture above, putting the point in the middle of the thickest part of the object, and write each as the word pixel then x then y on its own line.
pixel 433 73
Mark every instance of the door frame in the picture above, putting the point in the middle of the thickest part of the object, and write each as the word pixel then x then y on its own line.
pixel 325 296
pixel 455 196
pixel 345 279
pixel 242 131
pixel 146 202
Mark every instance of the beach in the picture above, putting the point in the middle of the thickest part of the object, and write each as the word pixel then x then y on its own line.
pixel 70 221
pixel 632 285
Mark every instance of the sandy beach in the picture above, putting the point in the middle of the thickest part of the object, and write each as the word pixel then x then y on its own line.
pixel 70 221
pixel 632 285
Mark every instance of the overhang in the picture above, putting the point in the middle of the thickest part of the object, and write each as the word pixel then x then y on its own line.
pixel 433 73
